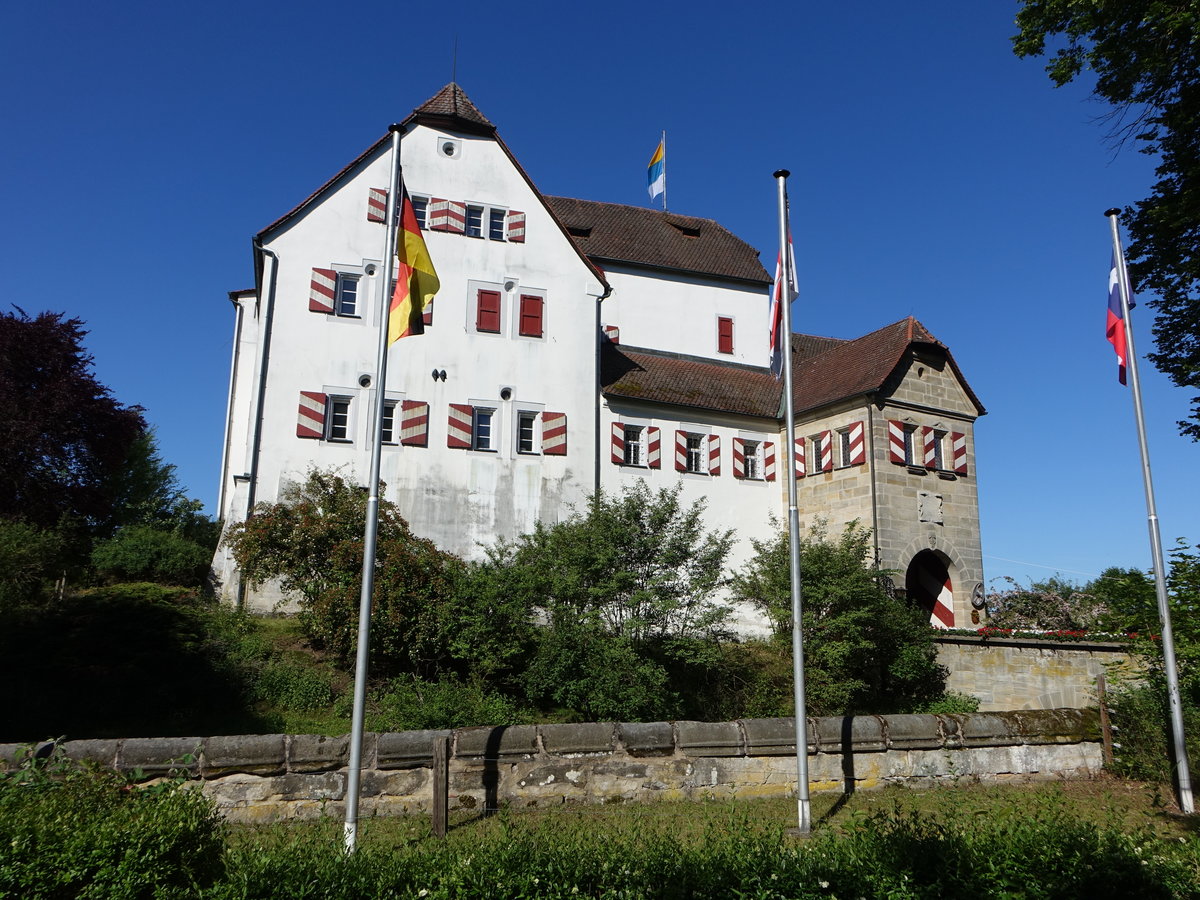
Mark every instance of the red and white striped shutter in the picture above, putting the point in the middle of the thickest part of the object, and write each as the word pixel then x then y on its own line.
pixel 516 226
pixel 739 458
pixel 439 217
pixel 554 433
pixel 929 447
pixel 458 426
pixel 958 441
pixel 825 450
pixel 896 442
pixel 858 446
pixel 801 469
pixel 456 216
pixel 769 460
pixel 612 332
pixel 322 290
pixel 310 419
pixel 414 423
pixel 714 454
pixel 618 443
pixel 654 448
pixel 681 451
pixel 377 204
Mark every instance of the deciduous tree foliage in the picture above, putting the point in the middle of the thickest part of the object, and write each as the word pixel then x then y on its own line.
pixel 864 650
pixel 1146 58
pixel 65 437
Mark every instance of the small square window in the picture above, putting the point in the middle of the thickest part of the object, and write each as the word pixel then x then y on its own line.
pixel 482 420
pixel 634 455
pixel 346 303
pixel 474 223
pixel 527 431
pixel 496 224
pixel 337 419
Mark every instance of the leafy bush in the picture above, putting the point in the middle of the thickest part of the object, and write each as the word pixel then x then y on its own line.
pixel 410 704
pixel 292 687
pixel 144 553
pixel 864 650
pixel 29 558
pixel 74 831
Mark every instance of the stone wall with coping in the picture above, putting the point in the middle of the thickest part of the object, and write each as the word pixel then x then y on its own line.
pixel 1023 673
pixel 258 778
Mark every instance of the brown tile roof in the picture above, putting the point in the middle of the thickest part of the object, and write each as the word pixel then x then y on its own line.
pixel 849 368
pixel 451 108
pixel 658 377
pixel 611 232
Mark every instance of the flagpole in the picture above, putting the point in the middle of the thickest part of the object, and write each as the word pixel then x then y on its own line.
pixel 1183 777
pixel 787 278
pixel 371 529
pixel 664 146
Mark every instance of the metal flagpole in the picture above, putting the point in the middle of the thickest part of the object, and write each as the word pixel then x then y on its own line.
pixel 371 530
pixel 1186 802
pixel 787 278
pixel 664 146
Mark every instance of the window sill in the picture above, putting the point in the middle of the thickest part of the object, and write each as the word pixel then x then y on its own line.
pixel 916 470
pixel 947 476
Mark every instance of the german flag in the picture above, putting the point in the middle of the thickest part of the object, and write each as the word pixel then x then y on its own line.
pixel 416 278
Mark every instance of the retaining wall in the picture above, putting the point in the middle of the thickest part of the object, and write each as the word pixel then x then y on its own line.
pixel 257 778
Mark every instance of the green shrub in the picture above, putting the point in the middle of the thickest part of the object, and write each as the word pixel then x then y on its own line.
pixel 29 558
pixel 289 686
pixel 951 702
pixel 74 831
pixel 145 553
pixel 410 704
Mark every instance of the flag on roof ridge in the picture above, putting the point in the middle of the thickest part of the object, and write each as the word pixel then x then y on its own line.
pixel 656 172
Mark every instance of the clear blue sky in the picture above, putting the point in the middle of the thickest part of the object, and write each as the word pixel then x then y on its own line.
pixel 934 175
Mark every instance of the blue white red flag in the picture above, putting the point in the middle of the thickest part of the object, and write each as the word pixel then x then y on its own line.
pixel 775 316
pixel 1115 325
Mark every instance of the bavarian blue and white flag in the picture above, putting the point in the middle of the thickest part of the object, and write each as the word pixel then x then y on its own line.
pixel 656 173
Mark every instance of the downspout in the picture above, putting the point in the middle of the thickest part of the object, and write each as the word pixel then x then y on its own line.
pixel 596 418
pixel 260 399
pixel 874 473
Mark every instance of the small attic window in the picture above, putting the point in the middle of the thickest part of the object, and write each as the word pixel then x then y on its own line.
pixel 580 231
pixel 692 231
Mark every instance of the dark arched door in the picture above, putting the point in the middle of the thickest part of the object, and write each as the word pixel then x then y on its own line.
pixel 928 585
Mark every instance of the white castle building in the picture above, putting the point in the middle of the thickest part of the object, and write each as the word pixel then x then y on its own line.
pixel 577 345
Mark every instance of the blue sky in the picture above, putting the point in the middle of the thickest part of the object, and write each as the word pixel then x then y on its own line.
pixel 934 175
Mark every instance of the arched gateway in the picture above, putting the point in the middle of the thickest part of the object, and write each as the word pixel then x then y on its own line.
pixel 928 585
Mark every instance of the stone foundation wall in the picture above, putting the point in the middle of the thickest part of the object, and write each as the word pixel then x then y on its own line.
pixel 255 778
pixel 1021 673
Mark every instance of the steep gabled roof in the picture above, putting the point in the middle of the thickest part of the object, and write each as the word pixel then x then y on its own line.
pixel 450 108
pixel 850 368
pixel 611 232
pixel 655 376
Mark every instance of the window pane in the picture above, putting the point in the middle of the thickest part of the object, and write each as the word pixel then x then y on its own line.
pixel 526 432
pixel 339 419
pixel 695 458
pixel 420 205
pixel 482 430
pixel 347 295
pixel 474 227
pixel 633 445
pixel 389 418
pixel 750 450
pixel 496 224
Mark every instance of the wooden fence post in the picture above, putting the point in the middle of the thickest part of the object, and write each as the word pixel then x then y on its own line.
pixel 441 784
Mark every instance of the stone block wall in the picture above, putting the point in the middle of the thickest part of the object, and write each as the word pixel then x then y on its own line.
pixel 256 778
pixel 1021 673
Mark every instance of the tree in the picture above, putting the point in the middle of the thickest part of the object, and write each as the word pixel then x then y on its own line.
pixel 1146 58
pixel 64 437
pixel 1051 605
pixel 864 650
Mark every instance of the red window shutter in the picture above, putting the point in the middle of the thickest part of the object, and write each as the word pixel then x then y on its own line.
pixel 531 315
pixel 825 451
pixel 653 448
pixel 554 434
pixel 896 442
pixel 414 423
pixel 858 446
pixel 801 468
pixel 377 204
pixel 714 454
pixel 612 332
pixel 618 443
pixel 739 458
pixel 310 419
pixel 958 443
pixel 458 426
pixel 769 460
pixel 322 290
pixel 516 226
pixel 681 451
pixel 487 312
pixel 724 334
